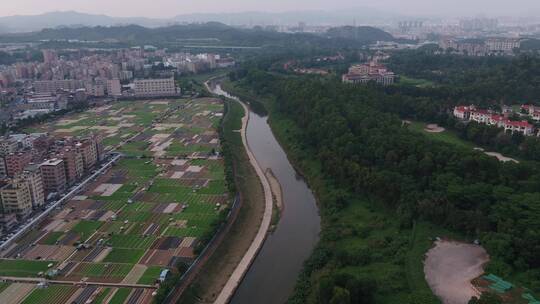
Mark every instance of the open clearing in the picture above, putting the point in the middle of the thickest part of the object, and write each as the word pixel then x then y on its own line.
pixel 451 266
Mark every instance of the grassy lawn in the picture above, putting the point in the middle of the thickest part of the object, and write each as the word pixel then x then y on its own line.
pixel 100 270
pixel 150 275
pixel 185 232
pixel 86 228
pixel 52 238
pixel 23 268
pixel 216 167
pixel 131 241
pixel 122 255
pixel 3 286
pixel 136 148
pixel 179 149
pixel 215 187
pixel 421 83
pixel 447 136
pixel 100 298
pixel 120 296
pixel 51 295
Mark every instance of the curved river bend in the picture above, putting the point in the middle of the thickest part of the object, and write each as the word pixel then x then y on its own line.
pixel 273 274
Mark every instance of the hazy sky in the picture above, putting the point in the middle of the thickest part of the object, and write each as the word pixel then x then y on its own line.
pixel 169 8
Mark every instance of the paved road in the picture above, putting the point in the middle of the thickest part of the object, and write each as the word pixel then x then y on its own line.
pixel 236 278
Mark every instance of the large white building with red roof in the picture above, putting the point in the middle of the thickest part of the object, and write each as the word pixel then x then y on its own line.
pixel 365 73
pixel 482 116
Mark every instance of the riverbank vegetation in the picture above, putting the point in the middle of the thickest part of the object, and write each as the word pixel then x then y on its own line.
pixel 379 184
pixel 216 271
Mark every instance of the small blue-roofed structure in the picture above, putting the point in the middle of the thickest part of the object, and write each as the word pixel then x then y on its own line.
pixel 164 274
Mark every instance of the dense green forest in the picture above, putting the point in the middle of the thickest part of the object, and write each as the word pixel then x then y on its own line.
pixel 361 160
pixel 476 79
pixel 488 82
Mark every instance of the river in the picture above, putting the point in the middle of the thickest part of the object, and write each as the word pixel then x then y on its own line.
pixel 272 276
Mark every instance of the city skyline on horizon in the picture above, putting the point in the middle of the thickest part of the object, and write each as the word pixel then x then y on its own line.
pixel 120 8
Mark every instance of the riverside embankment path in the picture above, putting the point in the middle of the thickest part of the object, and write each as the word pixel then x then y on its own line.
pixel 234 281
pixel 274 272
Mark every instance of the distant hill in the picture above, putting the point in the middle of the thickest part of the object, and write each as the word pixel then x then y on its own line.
pixel 220 33
pixel 362 33
pixel 32 23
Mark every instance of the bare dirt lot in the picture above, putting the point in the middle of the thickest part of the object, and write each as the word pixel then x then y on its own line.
pixel 449 268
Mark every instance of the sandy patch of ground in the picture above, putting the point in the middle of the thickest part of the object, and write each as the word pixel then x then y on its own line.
pixel 65 227
pixel 71 130
pixel 177 175
pixel 434 128
pixel 179 162
pixel 100 109
pixel 165 126
pixel 65 122
pixel 158 137
pixel 108 129
pixel 204 113
pixel 106 216
pixel 195 169
pixel 501 157
pixel 160 149
pixel 101 256
pixel 170 208
pixel 135 274
pixel 15 293
pixel 52 226
pixel 107 189
pixel 276 189
pixel 49 252
pixel 449 268
pixel 187 242
pixel 159 102
pixel 157 257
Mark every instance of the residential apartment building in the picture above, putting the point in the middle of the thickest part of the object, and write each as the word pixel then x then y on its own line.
pixel 16 198
pixel 8 145
pixel 502 45
pixel 73 163
pixel 88 150
pixel 3 169
pixel 16 162
pixel 32 175
pixel 114 88
pixel 53 174
pixel 155 87
pixel 51 86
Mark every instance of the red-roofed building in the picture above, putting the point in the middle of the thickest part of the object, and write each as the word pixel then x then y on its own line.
pixel 463 112
pixel 497 120
pixel 519 126
pixel 536 116
pixel 481 116
pixel 530 109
